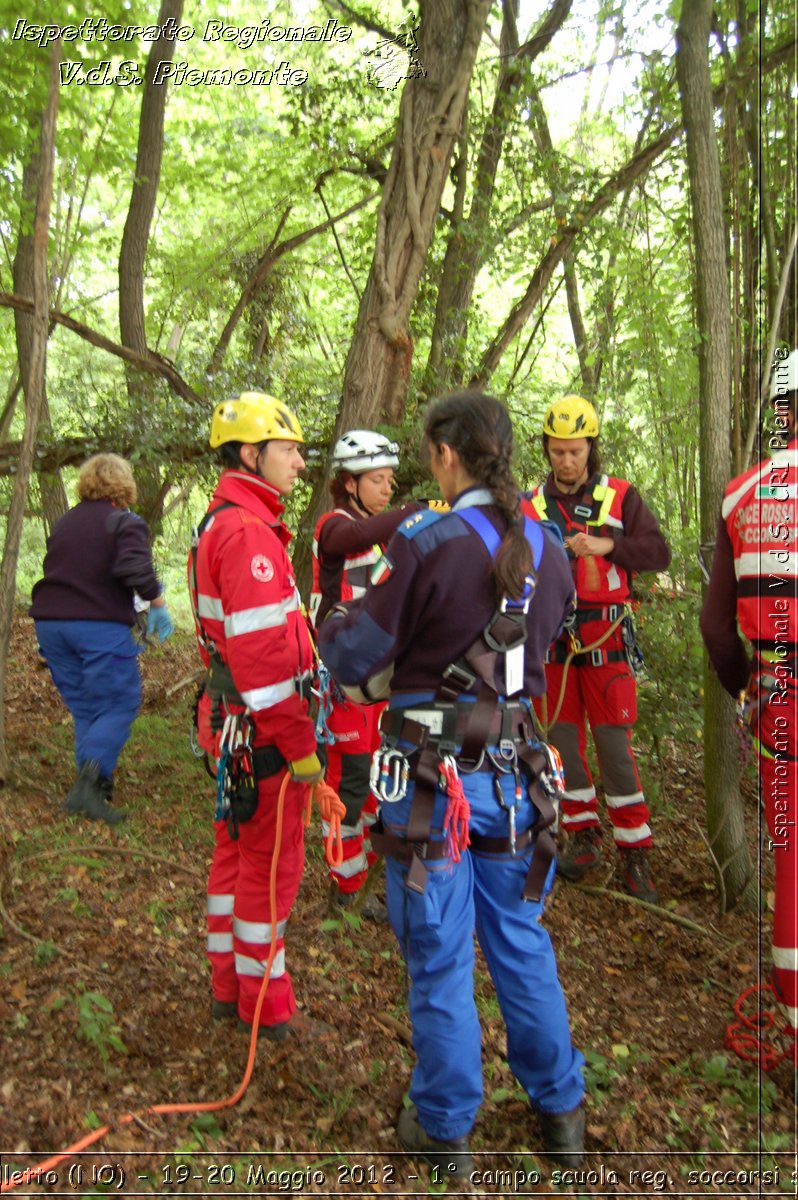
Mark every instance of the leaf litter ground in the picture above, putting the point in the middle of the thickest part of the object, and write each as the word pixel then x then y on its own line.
pixel 105 1001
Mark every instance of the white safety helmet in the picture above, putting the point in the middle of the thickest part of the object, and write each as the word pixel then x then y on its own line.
pixel 360 450
pixel 784 377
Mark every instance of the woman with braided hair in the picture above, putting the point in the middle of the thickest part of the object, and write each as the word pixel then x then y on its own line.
pixel 464 605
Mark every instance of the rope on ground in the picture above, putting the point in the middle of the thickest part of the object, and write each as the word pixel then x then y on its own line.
pixel 755 1037
pixel 192 1107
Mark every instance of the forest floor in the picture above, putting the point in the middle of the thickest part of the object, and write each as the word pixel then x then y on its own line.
pixel 105 1002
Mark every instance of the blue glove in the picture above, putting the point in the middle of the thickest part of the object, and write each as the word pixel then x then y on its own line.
pixel 159 622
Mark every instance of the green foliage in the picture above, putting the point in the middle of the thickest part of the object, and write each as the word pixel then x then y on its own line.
pixel 98 1027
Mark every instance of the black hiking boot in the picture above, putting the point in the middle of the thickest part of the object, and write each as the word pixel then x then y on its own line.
pixel 224 1010
pixel 452 1158
pixel 583 853
pixel 89 795
pixel 372 908
pixel 636 874
pixel 564 1136
pixel 299 1027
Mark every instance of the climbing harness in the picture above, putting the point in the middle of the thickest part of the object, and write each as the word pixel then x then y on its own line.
pixel 464 728
pixel 592 653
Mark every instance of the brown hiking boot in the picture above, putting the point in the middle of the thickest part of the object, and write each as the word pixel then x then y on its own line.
pixel 583 853
pixel 636 874
pixel 298 1027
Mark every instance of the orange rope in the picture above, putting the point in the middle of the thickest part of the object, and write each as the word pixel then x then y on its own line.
pixel 331 810
pixel 211 1105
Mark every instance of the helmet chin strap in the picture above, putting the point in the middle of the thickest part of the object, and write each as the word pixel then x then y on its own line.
pixel 358 503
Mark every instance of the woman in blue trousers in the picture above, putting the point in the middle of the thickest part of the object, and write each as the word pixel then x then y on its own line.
pixel 98 560
pixel 459 614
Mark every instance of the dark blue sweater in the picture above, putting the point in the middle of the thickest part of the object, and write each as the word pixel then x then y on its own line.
pixel 97 556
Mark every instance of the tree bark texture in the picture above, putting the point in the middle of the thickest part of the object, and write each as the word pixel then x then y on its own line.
pixel 135 239
pixel 725 818
pixel 430 119
pixel 468 242
pixel 53 496
pixel 33 382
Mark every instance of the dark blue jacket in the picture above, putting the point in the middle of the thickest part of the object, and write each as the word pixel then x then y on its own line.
pixel 430 597
pixel 97 556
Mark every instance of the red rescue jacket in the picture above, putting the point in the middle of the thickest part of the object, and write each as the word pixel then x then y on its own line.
pixel 598 580
pixel 759 510
pixel 248 608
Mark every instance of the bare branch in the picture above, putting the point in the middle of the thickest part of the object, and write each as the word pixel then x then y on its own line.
pixel 153 363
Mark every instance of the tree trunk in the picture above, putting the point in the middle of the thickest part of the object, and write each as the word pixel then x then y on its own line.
pixel 725 818
pixel 53 496
pixel 135 239
pixel 430 117
pixel 33 384
pixel 431 114
pixel 469 242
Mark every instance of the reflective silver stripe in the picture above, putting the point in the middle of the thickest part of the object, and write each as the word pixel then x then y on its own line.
pixel 773 560
pixel 220 943
pixel 614 522
pixel 613 578
pixel 781 460
pixel 581 795
pixel 266 697
pixel 210 606
pixel 220 905
pixel 785 958
pixel 351 866
pixel 356 591
pixel 623 801
pixel 578 819
pixel 347 831
pixel 259 932
pixel 264 616
pixel 631 836
pixel 257 966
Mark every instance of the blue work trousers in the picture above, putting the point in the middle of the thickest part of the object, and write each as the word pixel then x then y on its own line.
pixel 94 665
pixel 435 931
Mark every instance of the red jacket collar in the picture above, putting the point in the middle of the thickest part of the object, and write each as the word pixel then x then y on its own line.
pixel 249 491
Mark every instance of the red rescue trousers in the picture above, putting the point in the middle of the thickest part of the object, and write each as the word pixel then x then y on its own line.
pixel 356 728
pixel 776 740
pixel 604 695
pixel 239 918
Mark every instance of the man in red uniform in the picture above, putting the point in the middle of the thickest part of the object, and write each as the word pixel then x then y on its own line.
pixel 347 544
pixel 754 583
pixel 253 716
pixel 609 533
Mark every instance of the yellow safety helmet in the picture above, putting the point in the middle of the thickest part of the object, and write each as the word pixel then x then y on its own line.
pixel 251 418
pixel 571 417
